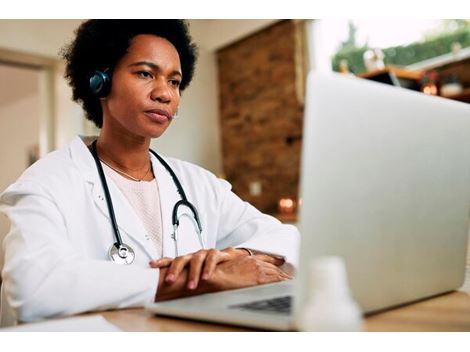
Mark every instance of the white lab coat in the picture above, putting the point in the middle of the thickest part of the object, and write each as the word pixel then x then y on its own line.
pixel 56 251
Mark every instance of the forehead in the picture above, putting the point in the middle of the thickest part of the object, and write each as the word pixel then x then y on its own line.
pixel 147 47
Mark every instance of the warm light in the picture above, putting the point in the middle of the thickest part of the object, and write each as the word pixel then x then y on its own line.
pixel 430 89
pixel 286 206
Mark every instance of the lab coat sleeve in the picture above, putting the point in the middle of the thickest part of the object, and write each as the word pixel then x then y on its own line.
pixel 242 225
pixel 45 277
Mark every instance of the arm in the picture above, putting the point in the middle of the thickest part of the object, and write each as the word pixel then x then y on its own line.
pixel 242 225
pixel 46 276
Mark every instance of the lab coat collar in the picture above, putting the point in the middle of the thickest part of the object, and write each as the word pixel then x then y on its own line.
pixel 81 156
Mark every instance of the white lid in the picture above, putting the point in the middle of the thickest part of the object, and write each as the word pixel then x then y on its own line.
pixel 328 274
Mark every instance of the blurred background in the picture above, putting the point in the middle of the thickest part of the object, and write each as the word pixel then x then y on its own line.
pixel 242 116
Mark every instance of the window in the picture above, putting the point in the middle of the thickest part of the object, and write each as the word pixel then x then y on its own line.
pixel 403 42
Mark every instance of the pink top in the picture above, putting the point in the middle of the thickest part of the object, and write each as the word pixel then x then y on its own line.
pixel 144 198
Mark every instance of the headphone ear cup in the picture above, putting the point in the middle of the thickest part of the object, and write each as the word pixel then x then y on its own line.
pixel 100 84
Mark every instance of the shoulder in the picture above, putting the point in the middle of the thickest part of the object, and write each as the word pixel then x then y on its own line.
pixel 51 173
pixel 187 168
pixel 197 178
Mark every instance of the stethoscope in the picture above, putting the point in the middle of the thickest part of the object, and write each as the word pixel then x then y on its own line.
pixel 121 253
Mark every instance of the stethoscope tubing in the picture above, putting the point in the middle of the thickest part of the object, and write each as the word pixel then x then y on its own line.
pixel 107 195
pixel 175 220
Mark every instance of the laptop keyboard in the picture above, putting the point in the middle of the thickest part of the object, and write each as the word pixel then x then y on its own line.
pixel 280 305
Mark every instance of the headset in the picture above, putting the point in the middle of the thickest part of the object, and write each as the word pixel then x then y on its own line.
pixel 100 83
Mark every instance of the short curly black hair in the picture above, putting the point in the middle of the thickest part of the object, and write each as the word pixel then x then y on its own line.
pixel 100 44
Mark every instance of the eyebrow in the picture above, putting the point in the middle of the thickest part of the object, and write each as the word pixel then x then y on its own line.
pixel 153 66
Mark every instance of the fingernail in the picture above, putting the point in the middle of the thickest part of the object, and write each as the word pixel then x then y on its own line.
pixel 191 285
pixel 170 277
pixel 205 276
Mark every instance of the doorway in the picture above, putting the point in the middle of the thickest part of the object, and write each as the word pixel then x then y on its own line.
pixel 26 119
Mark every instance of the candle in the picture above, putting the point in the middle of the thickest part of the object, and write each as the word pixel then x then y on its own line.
pixel 286 206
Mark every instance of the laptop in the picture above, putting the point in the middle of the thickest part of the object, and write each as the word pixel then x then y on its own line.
pixel 385 184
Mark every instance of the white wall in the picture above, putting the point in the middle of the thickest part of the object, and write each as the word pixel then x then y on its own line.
pixel 214 34
pixel 46 38
pixel 19 126
pixel 42 37
pixel 19 119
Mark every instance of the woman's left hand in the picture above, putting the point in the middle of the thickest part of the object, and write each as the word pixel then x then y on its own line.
pixel 204 260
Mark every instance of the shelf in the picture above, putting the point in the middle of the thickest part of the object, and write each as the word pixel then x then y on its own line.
pixel 398 72
pixel 395 76
pixel 463 96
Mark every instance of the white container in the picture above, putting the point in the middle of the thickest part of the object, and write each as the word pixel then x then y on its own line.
pixel 450 89
pixel 330 306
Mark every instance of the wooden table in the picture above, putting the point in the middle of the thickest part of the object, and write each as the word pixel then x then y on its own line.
pixel 448 312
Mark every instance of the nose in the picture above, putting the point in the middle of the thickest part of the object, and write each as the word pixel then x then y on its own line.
pixel 161 91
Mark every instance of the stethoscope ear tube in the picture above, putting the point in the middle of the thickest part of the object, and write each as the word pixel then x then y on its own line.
pixel 173 176
pixel 183 202
pixel 118 243
pixel 194 219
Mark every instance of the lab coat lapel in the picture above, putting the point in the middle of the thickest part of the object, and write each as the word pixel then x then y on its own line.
pixel 128 222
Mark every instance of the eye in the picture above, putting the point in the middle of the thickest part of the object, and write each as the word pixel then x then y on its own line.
pixel 175 83
pixel 144 74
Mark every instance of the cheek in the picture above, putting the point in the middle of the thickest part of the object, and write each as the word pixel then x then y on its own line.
pixel 176 101
pixel 124 101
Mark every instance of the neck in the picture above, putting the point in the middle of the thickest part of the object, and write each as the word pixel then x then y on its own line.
pixel 126 152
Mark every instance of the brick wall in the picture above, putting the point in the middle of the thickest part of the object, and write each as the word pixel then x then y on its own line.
pixel 261 113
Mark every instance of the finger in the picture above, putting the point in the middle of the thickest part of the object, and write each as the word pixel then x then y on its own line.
pixel 213 258
pixel 282 272
pixel 271 273
pixel 286 276
pixel 195 266
pixel 176 268
pixel 267 265
pixel 269 259
pixel 160 263
pixel 235 252
pixel 273 276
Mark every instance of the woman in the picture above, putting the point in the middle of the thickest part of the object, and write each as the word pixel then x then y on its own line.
pixel 68 209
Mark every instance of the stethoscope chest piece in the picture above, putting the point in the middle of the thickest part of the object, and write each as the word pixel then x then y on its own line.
pixel 122 254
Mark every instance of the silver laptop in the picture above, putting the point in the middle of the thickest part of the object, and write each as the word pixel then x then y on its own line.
pixel 385 184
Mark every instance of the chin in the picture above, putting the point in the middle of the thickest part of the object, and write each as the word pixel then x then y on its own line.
pixel 157 132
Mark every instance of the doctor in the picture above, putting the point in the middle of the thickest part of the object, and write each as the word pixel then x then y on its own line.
pixel 107 223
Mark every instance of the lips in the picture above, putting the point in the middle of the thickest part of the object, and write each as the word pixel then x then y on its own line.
pixel 158 115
